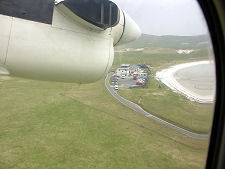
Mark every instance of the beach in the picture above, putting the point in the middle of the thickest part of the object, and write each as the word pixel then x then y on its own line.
pixel 3 71
pixel 195 80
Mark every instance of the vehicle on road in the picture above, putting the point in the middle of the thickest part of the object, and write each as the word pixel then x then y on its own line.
pixel 116 87
pixel 123 76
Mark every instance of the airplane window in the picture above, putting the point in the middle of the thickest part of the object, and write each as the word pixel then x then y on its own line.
pixel 137 93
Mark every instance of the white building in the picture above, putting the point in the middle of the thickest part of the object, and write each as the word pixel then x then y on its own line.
pixel 122 71
pixel 125 65
pixel 184 51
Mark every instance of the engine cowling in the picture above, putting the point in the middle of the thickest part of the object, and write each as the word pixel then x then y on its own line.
pixel 74 48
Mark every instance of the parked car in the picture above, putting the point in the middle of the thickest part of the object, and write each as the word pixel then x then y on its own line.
pixel 115 80
pixel 141 80
pixel 123 76
pixel 139 83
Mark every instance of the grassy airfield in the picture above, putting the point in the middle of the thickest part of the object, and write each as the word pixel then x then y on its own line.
pixel 58 125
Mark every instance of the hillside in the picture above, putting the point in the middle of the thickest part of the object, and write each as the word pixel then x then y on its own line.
pixel 169 41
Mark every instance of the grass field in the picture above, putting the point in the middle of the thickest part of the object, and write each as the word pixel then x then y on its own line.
pixel 172 107
pixel 159 60
pixel 163 102
pixel 53 125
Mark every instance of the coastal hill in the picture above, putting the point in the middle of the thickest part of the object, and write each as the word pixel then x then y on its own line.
pixel 169 41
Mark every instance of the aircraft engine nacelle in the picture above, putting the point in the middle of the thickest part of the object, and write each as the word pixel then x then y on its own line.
pixel 74 44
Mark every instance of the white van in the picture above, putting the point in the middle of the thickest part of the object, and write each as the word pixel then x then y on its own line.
pixel 116 87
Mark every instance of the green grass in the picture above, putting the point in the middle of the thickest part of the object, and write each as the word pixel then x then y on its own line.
pixel 56 125
pixel 172 107
pixel 168 41
pixel 157 60
pixel 163 102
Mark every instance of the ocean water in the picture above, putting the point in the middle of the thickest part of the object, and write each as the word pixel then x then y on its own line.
pixel 200 79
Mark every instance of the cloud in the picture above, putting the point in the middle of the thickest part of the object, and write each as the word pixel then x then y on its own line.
pixel 163 17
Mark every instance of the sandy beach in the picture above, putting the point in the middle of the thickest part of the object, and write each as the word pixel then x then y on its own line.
pixel 195 80
pixel 3 71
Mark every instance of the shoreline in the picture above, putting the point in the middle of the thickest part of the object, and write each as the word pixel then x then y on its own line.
pixel 167 76
pixel 3 71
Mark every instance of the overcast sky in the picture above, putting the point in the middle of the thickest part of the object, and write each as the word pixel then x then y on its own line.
pixel 166 17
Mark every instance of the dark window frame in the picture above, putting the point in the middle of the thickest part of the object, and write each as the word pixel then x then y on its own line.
pixel 34 10
pixel 101 13
pixel 214 11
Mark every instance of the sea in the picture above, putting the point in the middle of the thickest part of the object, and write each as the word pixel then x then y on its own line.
pixel 200 79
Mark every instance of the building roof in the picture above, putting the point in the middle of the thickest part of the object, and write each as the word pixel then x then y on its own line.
pixel 124 65
pixel 133 67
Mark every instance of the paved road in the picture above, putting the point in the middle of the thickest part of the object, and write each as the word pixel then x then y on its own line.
pixel 138 109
